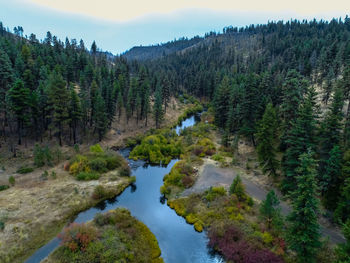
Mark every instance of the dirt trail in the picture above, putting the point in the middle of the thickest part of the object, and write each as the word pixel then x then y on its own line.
pixel 211 175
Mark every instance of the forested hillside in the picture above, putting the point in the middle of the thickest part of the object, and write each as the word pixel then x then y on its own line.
pixel 156 51
pixel 284 87
pixel 61 89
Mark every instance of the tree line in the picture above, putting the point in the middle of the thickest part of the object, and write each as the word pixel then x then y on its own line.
pixel 51 88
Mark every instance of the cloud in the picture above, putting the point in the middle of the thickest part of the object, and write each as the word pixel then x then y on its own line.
pixel 126 10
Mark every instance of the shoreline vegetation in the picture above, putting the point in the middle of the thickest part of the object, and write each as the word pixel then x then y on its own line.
pixel 114 236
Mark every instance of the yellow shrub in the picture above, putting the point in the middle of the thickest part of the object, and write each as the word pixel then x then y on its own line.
pixel 198 226
pixel 191 219
pixel 237 217
pixel 267 238
pixel 80 165
pixel 178 207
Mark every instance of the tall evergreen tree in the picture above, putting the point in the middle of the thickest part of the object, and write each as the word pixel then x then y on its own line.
pixel 119 104
pixel 304 231
pixel 332 178
pixel 19 99
pixel 221 103
pixel 146 105
pixel 58 99
pixel 330 135
pixel 301 137
pixel 266 137
pixel 343 250
pixel 75 113
pixel 292 95
pixel 100 116
pixel 158 113
pixel 342 213
pixel 6 80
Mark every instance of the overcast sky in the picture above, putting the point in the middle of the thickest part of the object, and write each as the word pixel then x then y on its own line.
pixel 119 25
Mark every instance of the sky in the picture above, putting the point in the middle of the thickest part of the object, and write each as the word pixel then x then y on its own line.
pixel 119 25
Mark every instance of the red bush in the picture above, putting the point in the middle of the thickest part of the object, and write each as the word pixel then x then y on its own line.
pixel 78 236
pixel 66 166
pixel 229 242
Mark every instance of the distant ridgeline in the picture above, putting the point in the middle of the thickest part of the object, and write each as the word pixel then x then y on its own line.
pixel 284 86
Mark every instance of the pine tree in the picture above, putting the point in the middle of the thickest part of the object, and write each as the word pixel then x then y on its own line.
pixel 146 105
pixel 342 213
pixel 58 98
pixel 270 211
pixel 75 113
pixel 158 113
pixel 292 95
pixel 119 104
pixel 165 92
pixel 238 188
pixel 304 231
pixel 266 137
pixel 93 48
pixel 301 137
pixel 343 250
pixel 330 135
pixel 19 99
pixel 221 102
pixel 6 80
pixel 332 178
pixel 100 116
pixel 138 108
pixel 93 94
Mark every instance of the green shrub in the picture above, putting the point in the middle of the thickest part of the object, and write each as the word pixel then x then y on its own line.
pixel 218 158
pixel 96 148
pixel 238 188
pixel 25 170
pixel 42 156
pixel 12 180
pixel 215 192
pixel 159 148
pixel 4 187
pixel 2 225
pixel 132 179
pixel 98 164
pixel 86 176
pixel 76 148
pixel 100 193
pixel 114 162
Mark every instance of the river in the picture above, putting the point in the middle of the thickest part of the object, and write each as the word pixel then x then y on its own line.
pixel 178 241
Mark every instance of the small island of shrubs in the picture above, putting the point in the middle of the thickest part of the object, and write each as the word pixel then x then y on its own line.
pixel 115 236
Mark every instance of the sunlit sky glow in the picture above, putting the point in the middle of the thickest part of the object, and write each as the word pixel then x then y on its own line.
pixel 118 25
pixel 131 9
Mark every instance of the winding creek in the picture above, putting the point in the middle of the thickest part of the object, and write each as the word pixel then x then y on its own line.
pixel 178 241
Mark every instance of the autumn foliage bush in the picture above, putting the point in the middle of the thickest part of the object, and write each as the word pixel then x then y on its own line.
pixel 78 236
pixel 229 241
